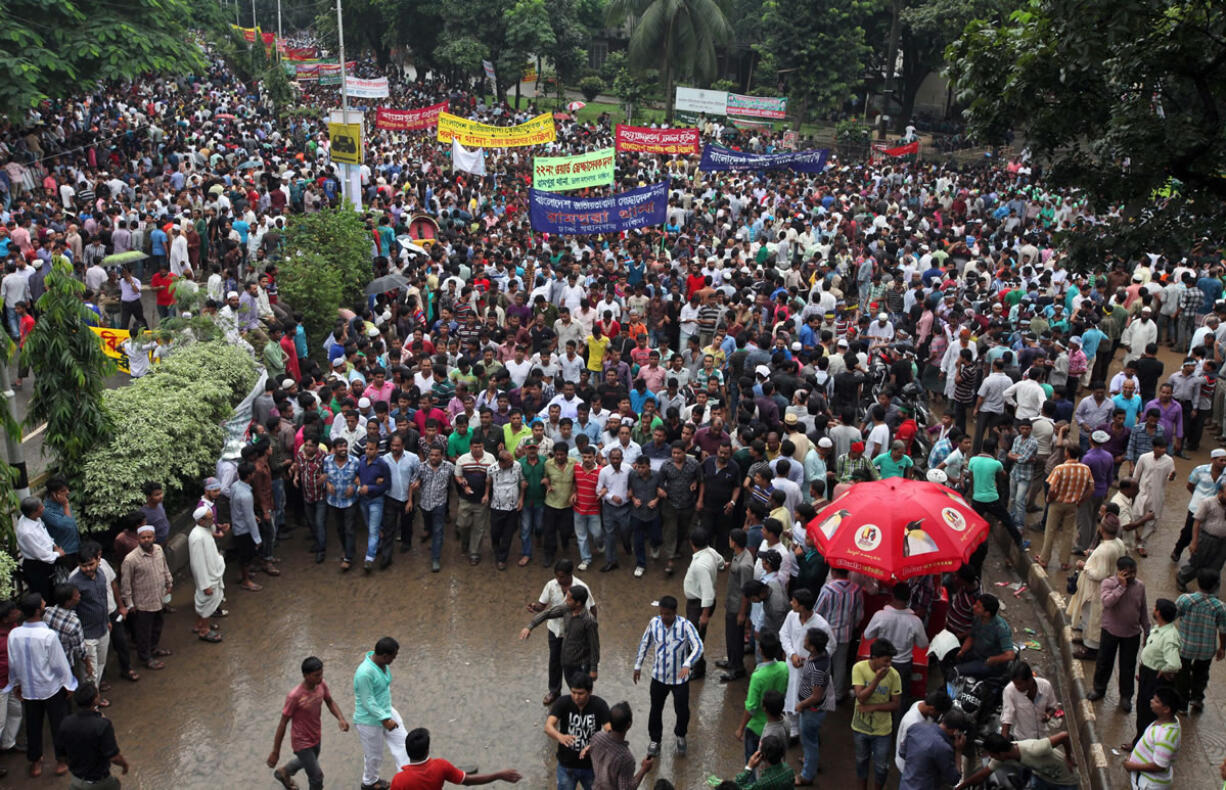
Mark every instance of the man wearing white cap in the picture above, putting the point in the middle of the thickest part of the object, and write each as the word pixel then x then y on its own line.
pixel 1203 483
pixel 145 585
pixel 208 570
pixel 881 331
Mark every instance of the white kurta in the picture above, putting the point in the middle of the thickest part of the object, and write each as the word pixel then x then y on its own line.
pixel 1099 565
pixel 208 568
pixel 792 638
pixel 1152 474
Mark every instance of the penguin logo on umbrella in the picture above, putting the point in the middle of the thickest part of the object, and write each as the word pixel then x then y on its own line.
pixel 917 541
pixel 831 524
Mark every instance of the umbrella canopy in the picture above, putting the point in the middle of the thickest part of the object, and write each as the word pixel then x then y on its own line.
pixel 123 258
pixel 388 282
pixel 576 106
pixel 895 529
pixel 561 116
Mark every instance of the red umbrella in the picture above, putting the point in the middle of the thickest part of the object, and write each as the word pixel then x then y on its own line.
pixel 895 529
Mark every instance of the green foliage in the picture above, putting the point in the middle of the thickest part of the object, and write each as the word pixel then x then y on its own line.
pixel 167 428
pixel 852 132
pixel 338 236
pixel 680 37
pixel 278 89
pixel 53 48
pixel 70 372
pixel 313 287
pixel 1115 98
pixel 8 571
pixel 723 85
pixel 821 57
pixel 461 55
pixel 591 87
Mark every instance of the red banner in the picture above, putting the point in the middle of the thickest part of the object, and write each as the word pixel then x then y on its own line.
pixel 404 120
pixel 657 141
pixel 300 53
pixel 903 150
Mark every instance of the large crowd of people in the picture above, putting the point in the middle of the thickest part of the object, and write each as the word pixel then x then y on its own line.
pixel 681 399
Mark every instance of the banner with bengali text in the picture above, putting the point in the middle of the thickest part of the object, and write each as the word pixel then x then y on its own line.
pixel 111 340
pixel 560 173
pixel 757 106
pixel 638 208
pixel 408 120
pixel 716 157
pixel 657 141
pixel 366 89
pixel 472 134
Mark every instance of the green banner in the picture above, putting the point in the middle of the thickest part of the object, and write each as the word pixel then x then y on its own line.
pixel 560 173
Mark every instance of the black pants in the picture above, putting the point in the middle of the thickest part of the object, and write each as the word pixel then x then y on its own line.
pixel 555 663
pixel 1192 679
pixel 119 643
pixel 146 632
pixel 734 643
pixel 1185 534
pixel 997 508
pixel 681 707
pixel 1210 553
pixel 54 708
pixel 557 524
pixel 1147 683
pixel 38 576
pixel 1127 646
pixel 717 526
pixel 984 424
pixel 128 311
pixel 961 410
pixel 693 613
pixel 393 517
pixel 503 526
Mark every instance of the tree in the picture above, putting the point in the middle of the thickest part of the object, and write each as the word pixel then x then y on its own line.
pixel 528 33
pixel 71 371
pixel 1116 98
pixel 820 58
pixel 678 36
pixel 51 48
pixel 461 55
pixel 333 241
pixel 314 287
pixel 277 88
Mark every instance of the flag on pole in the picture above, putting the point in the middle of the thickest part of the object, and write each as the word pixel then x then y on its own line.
pixel 489 70
pixel 468 161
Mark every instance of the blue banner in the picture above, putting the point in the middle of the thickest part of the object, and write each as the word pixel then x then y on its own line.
pixel 572 216
pixel 716 157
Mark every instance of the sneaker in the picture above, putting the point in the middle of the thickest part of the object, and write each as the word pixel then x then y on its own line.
pixel 434 566
pixel 639 570
pixel 653 749
pixel 681 746
pixel 655 552
pixel 584 565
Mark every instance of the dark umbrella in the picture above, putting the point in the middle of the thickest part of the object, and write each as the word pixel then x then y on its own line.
pixel 388 282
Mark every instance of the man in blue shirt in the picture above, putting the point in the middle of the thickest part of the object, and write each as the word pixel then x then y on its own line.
pixel 244 525
pixel 158 242
pixel 932 752
pixel 373 480
pixel 342 473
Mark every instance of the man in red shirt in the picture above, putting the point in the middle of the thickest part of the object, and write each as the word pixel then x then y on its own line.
pixel 161 283
pixel 302 709
pixel 424 773
pixel 587 507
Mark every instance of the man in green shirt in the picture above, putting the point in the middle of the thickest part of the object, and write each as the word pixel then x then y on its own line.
pixel 1160 660
pixel 988 479
pixel 877 687
pixel 460 439
pixel 377 722
pixel 273 354
pixel 557 521
pixel 771 673
pixel 894 463
pixel 775 773
pixel 534 499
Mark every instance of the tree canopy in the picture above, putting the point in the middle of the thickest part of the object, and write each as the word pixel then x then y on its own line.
pixel 1122 98
pixel 52 47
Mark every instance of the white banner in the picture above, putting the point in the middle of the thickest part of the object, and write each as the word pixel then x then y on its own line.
pixel 703 101
pixel 366 89
pixel 468 161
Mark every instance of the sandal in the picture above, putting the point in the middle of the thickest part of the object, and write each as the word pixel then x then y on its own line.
pixel 221 613
pixel 104 703
pixel 1141 552
pixel 284 779
pixel 252 587
pixel 129 675
pixel 162 652
pixel 156 664
pixel 524 561
pixel 669 570
pixel 211 636
pixel 271 570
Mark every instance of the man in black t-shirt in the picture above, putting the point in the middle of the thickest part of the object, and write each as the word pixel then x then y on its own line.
pixel 89 741
pixel 573 720
pixel 1149 372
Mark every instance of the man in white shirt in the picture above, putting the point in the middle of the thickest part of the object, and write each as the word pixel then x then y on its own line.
pixel 699 589
pixel 1027 396
pixel 40 673
pixel 613 490
pixel 554 594
pixel 1027 704
pixel 930 708
pixel 38 550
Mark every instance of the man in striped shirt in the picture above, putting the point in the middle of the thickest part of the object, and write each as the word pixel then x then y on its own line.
pixel 840 604
pixel 677 648
pixel 1149 764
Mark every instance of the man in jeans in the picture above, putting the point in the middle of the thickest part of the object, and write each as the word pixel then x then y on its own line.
pixel 301 710
pixel 877 689
pixel 588 532
pixel 532 517
pixel 680 477
pixel 372 482
pixel 309 476
pixel 434 477
pixel 342 474
pixel 1125 617
pixel 398 502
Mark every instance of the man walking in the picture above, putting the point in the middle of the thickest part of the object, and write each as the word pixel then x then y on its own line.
pixel 398 502
pixel 613 490
pixel 434 477
pixel 145 584
pixel 612 763
pixel 679 480
pixel 736 608
pixel 505 493
pixel 208 572
pixel 378 722
pixel 472 516
pixel 573 720
pixel 301 712
pixel 699 589
pixel 1202 637
pixel 341 470
pixel 580 650
pixel 1208 545
pixel 373 479
pixel 677 648
pixel 1068 485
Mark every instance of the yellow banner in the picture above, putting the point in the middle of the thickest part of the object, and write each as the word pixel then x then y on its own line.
pixel 111 340
pixel 346 142
pixel 482 135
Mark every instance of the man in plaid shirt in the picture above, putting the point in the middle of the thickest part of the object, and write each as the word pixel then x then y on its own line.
pixel 1022 454
pixel 67 625
pixel 309 477
pixel 1202 633
pixel 1068 484
pixel 1190 302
